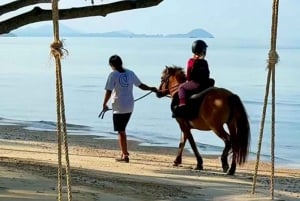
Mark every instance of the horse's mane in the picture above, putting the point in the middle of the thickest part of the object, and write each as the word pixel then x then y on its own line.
pixel 176 71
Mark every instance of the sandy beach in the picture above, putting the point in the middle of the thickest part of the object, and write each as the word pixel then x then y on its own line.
pixel 28 171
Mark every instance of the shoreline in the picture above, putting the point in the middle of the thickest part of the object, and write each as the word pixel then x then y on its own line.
pixel 28 163
pixel 79 130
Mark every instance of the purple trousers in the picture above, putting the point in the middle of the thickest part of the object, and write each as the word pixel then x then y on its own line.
pixel 183 88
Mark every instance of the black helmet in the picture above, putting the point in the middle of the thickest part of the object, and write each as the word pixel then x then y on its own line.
pixel 199 47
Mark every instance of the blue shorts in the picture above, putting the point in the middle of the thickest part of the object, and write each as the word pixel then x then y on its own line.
pixel 120 121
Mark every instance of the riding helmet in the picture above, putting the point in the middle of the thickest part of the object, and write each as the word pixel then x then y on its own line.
pixel 199 47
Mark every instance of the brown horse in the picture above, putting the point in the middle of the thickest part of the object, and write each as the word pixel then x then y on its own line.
pixel 213 108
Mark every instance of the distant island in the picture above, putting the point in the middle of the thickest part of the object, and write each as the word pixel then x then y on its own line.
pixel 65 31
pixel 195 33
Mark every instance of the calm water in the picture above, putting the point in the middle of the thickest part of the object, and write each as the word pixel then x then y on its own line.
pixel 27 88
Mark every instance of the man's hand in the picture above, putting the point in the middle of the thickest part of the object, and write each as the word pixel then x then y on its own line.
pixel 159 94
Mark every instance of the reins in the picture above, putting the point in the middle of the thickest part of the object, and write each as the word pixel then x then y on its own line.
pixel 143 96
pixel 101 114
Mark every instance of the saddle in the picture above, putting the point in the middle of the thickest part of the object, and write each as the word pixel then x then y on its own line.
pixel 194 99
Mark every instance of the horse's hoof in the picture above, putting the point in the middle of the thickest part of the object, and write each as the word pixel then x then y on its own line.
pixel 176 164
pixel 225 168
pixel 198 167
pixel 231 172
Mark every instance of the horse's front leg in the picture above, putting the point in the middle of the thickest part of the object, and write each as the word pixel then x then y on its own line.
pixel 183 126
pixel 186 130
pixel 178 159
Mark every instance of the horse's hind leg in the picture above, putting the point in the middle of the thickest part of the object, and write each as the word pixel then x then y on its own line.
pixel 226 138
pixel 224 157
pixel 232 169
pixel 233 165
pixel 196 152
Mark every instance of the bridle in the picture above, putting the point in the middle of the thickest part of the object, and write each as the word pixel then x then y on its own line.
pixel 165 80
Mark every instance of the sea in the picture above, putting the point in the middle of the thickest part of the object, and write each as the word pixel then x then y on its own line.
pixel 27 86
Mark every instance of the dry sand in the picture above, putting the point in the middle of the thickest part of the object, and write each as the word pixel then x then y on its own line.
pixel 28 171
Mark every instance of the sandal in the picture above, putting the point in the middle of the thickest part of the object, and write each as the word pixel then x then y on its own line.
pixel 124 159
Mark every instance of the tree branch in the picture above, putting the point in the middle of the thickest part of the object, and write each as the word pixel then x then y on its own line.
pixel 15 5
pixel 37 14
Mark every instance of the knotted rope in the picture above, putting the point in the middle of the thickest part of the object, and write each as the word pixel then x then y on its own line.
pixel 58 51
pixel 272 61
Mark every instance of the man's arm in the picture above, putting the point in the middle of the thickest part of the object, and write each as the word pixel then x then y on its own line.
pixel 146 87
pixel 106 98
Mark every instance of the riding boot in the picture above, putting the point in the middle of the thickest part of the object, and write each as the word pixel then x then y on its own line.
pixel 181 111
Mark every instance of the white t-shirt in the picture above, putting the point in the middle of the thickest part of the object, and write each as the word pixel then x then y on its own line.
pixel 121 85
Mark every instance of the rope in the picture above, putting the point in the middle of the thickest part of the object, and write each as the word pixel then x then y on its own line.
pixel 58 51
pixel 261 130
pixel 143 96
pixel 272 61
pixel 102 113
pixel 59 171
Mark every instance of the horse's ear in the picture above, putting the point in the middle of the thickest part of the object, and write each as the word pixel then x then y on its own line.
pixel 167 69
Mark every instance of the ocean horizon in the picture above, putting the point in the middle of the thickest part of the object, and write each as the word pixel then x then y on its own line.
pixel 28 88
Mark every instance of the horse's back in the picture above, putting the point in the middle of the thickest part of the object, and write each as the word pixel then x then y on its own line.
pixel 202 105
pixel 211 94
pixel 212 106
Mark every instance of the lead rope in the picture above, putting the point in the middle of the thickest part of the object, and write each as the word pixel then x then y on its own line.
pixel 58 51
pixel 102 113
pixel 273 60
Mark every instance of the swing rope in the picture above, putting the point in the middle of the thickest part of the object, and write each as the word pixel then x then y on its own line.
pixel 272 61
pixel 58 51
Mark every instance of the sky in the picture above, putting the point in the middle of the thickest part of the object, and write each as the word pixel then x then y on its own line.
pixel 222 18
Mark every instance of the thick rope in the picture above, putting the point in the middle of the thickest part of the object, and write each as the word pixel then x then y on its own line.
pixel 59 170
pixel 261 130
pixel 59 173
pixel 273 136
pixel 65 139
pixel 273 59
pixel 57 51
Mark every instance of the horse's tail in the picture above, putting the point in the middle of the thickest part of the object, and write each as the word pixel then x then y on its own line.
pixel 240 137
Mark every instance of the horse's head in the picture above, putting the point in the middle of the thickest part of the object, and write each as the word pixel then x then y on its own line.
pixel 172 77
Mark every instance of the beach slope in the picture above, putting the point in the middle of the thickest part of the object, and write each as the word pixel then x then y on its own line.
pixel 28 171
